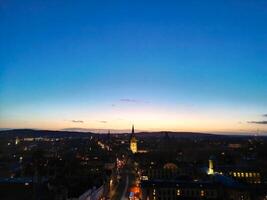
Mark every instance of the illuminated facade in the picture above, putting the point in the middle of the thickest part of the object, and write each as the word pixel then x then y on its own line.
pixel 252 176
pixel 190 190
pixel 211 166
pixel 173 190
pixel 17 141
pixel 133 142
pixel 240 173
pixel 168 171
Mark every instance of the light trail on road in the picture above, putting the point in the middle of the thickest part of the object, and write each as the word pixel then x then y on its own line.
pixel 123 197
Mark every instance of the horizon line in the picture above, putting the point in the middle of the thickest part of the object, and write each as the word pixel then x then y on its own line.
pixel 123 131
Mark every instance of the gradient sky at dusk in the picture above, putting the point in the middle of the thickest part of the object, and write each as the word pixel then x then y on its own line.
pixel 162 65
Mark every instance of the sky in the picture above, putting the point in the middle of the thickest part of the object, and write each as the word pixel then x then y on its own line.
pixel 161 65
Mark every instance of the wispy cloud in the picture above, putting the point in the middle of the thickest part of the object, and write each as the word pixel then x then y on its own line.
pixel 127 100
pixel 103 121
pixel 77 121
pixel 257 122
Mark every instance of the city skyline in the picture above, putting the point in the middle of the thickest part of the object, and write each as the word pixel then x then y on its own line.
pixel 177 66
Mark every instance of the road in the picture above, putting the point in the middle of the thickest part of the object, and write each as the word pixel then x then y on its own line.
pixel 124 194
pixel 127 180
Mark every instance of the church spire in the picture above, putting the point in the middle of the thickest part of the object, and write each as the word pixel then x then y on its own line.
pixel 133 142
pixel 132 129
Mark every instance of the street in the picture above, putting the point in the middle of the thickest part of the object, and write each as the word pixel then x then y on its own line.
pixel 126 182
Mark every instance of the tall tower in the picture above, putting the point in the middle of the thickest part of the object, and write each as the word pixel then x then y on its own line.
pixel 17 141
pixel 133 142
pixel 211 166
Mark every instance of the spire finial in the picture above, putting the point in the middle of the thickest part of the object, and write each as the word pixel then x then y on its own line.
pixel 133 129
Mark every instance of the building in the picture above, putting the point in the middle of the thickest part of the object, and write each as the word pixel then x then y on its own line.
pixel 172 190
pixel 17 141
pixel 211 166
pixel 199 190
pixel 167 171
pixel 133 142
pixel 241 173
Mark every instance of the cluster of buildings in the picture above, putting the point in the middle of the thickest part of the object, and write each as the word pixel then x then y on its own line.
pixel 173 179
pixel 163 166
pixel 54 168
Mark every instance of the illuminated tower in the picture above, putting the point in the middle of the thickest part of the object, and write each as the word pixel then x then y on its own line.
pixel 17 141
pixel 133 142
pixel 211 166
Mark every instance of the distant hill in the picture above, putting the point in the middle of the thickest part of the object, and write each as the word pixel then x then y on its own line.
pixel 172 134
pixel 96 130
pixel 78 134
pixel 198 135
pixel 42 133
pixel 72 132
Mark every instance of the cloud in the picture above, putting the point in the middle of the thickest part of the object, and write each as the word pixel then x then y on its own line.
pixel 77 121
pixel 265 115
pixel 126 100
pixel 103 121
pixel 257 122
pixel 129 100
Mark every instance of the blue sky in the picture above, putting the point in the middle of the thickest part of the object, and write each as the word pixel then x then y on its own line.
pixel 181 65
